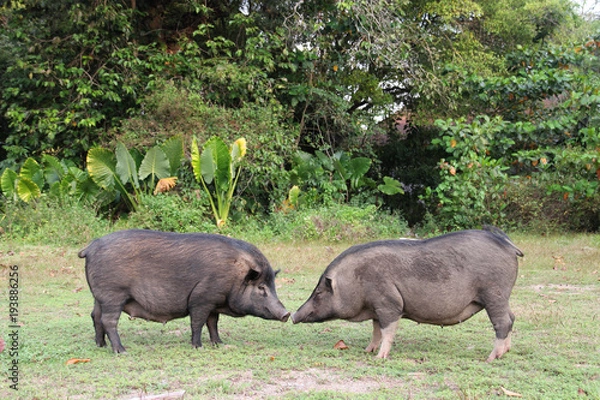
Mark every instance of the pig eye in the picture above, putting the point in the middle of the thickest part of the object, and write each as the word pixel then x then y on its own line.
pixel 263 289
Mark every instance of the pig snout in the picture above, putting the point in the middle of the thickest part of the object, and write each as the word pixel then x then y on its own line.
pixel 294 319
pixel 299 316
pixel 278 311
pixel 285 317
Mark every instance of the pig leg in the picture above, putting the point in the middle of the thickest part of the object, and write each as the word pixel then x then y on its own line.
pixel 387 337
pixel 211 324
pixel 376 340
pixel 198 317
pixel 100 332
pixel 503 322
pixel 109 318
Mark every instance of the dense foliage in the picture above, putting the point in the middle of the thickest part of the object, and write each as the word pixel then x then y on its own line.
pixel 342 100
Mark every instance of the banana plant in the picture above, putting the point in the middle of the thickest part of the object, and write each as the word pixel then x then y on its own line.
pixel 218 167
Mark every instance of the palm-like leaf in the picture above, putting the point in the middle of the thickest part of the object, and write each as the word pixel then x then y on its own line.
pixel 154 164
pixel 54 170
pixel 101 165
pixel 8 183
pixel 215 163
pixel 173 149
pixel 196 168
pixel 126 168
pixel 33 171
pixel 27 189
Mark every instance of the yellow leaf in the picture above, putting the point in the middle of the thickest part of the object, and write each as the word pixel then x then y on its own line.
pixel 78 361
pixel 453 143
pixel 241 143
pixel 510 393
pixel 165 184
pixel 335 68
pixel 340 345
pixel 452 171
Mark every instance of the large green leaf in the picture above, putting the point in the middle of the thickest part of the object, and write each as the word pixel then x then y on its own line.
pixel 357 168
pixel 54 170
pixel 101 167
pixel 390 186
pixel 27 189
pixel 215 163
pixel 81 185
pixel 126 168
pixel 173 149
pixel 8 183
pixel 33 171
pixel 155 163
pixel 196 168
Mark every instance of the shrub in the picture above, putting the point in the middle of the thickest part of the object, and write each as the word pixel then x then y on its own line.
pixel 53 222
pixel 188 211
pixel 271 139
pixel 338 223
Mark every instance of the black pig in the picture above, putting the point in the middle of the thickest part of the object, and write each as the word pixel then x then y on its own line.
pixel 441 281
pixel 161 276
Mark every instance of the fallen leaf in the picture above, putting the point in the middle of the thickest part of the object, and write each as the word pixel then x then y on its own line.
pixel 77 290
pixel 340 345
pixel 78 361
pixel 165 184
pixel 2 345
pixel 510 393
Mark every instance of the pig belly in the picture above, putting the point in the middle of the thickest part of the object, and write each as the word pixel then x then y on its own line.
pixel 444 315
pixel 135 310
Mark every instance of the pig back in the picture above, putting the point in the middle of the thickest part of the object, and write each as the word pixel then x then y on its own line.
pixel 160 269
pixel 431 279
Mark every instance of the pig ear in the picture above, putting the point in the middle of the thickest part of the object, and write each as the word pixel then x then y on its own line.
pixel 252 275
pixel 329 285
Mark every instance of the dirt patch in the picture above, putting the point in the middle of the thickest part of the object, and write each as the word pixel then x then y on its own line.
pixel 319 380
pixel 244 385
pixel 562 289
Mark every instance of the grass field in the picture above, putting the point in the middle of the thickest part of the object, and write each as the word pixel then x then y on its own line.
pixel 555 353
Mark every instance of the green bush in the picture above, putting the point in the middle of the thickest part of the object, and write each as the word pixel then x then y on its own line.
pixel 52 222
pixel 271 139
pixel 188 211
pixel 338 223
pixel 531 207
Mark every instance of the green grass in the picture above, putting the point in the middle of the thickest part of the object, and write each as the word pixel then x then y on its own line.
pixel 555 354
